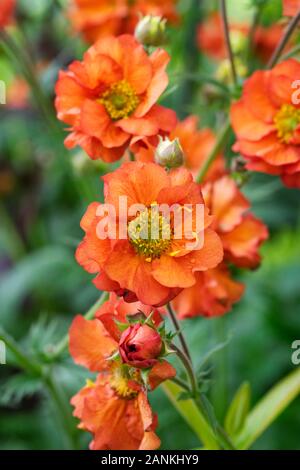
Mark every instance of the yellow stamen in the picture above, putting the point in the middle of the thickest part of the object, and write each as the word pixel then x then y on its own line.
pixel 286 121
pixel 89 383
pixel 150 234
pixel 119 381
pixel 120 100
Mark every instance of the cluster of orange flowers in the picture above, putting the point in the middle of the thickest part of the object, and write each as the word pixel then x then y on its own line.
pixel 99 18
pixel 109 101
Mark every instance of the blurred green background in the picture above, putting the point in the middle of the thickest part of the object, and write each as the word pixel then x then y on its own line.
pixel 44 191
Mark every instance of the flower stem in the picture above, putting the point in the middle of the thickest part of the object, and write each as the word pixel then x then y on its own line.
pixel 63 409
pixel 284 40
pixel 227 39
pixel 62 346
pixel 221 139
pixel 252 32
pixel 32 368
pixel 291 53
pixel 181 383
pixel 175 322
pixel 189 369
pixel 25 362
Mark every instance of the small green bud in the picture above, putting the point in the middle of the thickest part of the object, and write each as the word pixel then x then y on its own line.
pixel 224 71
pixel 239 42
pixel 169 153
pixel 151 31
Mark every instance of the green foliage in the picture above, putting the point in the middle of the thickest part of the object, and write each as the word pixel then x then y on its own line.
pixel 42 288
pixel 238 410
pixel 14 389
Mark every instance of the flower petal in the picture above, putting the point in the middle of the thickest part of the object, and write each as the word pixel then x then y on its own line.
pixel 90 344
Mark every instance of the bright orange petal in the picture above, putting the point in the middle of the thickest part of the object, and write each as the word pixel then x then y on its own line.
pixel 90 344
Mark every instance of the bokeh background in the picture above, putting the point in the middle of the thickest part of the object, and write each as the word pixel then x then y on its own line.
pixel 44 191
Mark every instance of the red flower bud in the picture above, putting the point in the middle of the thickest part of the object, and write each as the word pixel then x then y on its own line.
pixel 140 345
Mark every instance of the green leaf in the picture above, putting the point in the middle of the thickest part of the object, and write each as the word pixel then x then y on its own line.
pixel 268 409
pixel 192 415
pixel 238 410
pixel 18 387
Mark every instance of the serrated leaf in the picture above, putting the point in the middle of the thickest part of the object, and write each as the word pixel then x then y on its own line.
pixel 238 410
pixel 42 335
pixel 14 389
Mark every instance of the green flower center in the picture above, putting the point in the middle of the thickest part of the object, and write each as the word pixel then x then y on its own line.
pixel 120 100
pixel 286 121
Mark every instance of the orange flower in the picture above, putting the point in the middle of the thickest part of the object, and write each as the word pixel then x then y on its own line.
pixel 212 295
pixel 99 18
pixel 115 408
pixel 94 342
pixel 109 99
pixel 196 145
pixel 157 268
pixel 291 7
pixel 117 412
pixel 267 122
pixel 210 37
pixel 7 8
pixel 241 234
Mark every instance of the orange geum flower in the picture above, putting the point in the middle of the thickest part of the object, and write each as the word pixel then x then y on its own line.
pixel 291 7
pixel 115 408
pixel 154 268
pixel 242 234
pixel 196 145
pixel 240 231
pixel 116 411
pixel 213 295
pixel 98 18
pixel 7 8
pixel 109 99
pixel 266 121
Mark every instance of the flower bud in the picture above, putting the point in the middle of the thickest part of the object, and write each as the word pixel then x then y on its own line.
pixel 140 345
pixel 169 153
pixel 224 71
pixel 239 42
pixel 151 31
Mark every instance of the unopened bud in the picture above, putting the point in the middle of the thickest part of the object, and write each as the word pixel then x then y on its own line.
pixel 140 346
pixel 239 42
pixel 239 171
pixel 151 31
pixel 224 71
pixel 169 153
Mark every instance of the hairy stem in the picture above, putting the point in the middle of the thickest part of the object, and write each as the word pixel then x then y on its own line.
pixel 175 322
pixel 63 409
pixel 227 39
pixel 284 40
pixel 221 139
pixel 189 369
pixel 25 362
